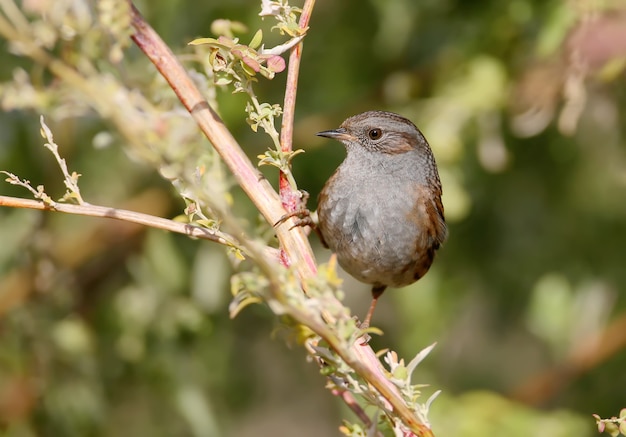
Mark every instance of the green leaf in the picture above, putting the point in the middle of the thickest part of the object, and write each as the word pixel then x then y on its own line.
pixel 400 373
pixel 419 358
pixel 256 40
pixel 200 41
pixel 222 42
pixel 237 306
pixel 224 80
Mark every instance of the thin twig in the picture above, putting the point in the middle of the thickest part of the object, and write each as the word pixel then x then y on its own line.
pixel 290 199
pixel 348 398
pixel 125 215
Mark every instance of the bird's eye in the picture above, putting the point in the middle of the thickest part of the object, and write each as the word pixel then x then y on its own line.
pixel 375 134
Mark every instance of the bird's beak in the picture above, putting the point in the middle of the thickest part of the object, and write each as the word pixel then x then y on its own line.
pixel 336 134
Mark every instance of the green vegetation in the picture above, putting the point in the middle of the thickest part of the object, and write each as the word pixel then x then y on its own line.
pixel 113 328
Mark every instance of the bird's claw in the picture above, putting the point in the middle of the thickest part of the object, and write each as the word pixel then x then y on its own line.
pixel 303 217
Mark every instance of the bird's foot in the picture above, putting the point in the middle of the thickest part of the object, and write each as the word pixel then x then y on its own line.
pixel 301 212
pixel 303 217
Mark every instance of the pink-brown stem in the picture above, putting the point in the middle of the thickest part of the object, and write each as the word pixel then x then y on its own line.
pixel 350 401
pixel 289 198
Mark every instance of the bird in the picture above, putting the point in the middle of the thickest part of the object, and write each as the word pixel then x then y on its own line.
pixel 381 211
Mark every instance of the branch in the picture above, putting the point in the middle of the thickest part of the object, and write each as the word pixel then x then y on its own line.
pixel 290 199
pixel 348 398
pixel 128 216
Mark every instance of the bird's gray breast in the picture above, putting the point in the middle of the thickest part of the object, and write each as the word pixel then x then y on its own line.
pixel 365 220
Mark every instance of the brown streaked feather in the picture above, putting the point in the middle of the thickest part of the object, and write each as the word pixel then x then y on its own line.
pixel 401 144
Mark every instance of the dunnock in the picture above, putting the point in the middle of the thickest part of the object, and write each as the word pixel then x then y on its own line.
pixel 381 211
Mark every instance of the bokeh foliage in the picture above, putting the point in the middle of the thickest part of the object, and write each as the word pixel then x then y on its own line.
pixel 110 329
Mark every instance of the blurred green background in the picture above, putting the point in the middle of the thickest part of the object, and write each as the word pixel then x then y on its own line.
pixel 110 329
